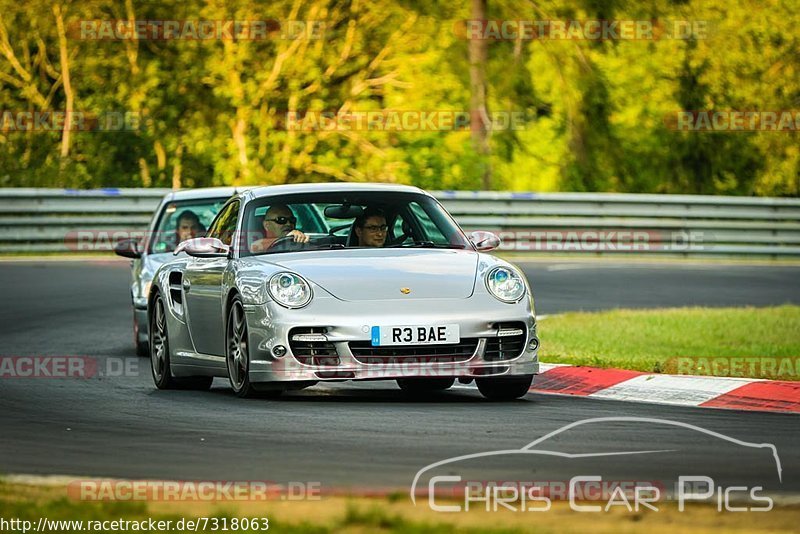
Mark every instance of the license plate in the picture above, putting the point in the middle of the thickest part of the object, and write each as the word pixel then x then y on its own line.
pixel 415 335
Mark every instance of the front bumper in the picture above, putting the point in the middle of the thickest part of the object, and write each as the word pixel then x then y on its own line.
pixel 348 322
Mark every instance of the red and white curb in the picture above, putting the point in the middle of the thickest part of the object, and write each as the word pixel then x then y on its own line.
pixel 681 390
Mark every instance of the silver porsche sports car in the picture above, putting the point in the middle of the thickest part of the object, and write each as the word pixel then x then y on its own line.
pixel 297 284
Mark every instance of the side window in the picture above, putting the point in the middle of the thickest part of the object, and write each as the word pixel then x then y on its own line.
pixel 224 226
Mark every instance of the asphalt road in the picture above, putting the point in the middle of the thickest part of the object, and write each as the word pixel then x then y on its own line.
pixel 358 435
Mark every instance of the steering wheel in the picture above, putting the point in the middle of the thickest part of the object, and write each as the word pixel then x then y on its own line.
pixel 286 243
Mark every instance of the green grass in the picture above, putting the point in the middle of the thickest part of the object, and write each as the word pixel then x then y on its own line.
pixel 29 504
pixel 757 342
pixel 367 515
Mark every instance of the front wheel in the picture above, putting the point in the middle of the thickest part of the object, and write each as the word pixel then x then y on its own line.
pixel 504 388
pixel 237 354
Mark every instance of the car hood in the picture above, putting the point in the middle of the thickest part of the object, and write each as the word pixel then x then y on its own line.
pixel 380 274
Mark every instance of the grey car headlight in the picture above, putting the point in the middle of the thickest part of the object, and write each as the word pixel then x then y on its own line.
pixel 505 284
pixel 289 290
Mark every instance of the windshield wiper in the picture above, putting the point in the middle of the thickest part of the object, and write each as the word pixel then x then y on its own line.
pixel 431 244
pixel 303 247
pixel 323 246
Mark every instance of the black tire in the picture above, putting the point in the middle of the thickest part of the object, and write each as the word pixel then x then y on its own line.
pixel 237 355
pixel 159 354
pixel 425 385
pixel 504 388
pixel 142 347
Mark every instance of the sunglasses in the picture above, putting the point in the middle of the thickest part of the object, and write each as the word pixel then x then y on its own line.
pixel 283 220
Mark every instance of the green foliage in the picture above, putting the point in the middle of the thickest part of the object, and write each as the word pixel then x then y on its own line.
pixel 214 111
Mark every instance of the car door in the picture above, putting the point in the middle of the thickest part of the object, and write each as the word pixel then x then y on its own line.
pixel 202 286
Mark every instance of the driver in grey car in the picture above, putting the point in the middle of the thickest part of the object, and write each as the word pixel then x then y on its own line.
pixel 187 226
pixel 279 222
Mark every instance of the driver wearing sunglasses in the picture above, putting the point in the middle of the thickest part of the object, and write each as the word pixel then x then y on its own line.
pixel 279 222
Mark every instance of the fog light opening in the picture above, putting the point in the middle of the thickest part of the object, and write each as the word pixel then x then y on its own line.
pixel 533 345
pixel 279 351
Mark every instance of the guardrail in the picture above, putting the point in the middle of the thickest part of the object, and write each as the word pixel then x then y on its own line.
pixel 42 220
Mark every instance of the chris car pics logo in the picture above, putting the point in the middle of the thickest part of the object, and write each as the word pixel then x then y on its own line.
pixel 452 491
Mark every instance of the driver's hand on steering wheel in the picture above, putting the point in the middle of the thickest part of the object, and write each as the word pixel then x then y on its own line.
pixel 298 236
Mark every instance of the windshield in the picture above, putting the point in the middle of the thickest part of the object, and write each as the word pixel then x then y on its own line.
pixel 291 223
pixel 181 220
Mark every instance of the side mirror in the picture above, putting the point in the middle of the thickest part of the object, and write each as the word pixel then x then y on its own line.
pixel 129 248
pixel 484 241
pixel 203 247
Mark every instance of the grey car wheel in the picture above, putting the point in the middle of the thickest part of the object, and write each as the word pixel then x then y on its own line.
pixel 159 354
pixel 142 347
pixel 159 346
pixel 504 388
pixel 237 353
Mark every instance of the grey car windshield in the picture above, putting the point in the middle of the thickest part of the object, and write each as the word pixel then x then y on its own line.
pixel 181 220
pixel 352 220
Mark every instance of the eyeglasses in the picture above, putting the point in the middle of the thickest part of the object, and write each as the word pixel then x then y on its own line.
pixel 283 220
pixel 376 227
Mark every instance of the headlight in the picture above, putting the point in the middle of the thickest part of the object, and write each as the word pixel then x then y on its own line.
pixel 290 290
pixel 505 284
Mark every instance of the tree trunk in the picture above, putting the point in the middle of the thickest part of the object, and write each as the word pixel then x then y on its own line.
pixel 479 112
pixel 67 84
pixel 177 167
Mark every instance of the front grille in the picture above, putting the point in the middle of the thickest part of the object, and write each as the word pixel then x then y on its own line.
pixel 313 352
pixel 364 352
pixel 508 347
